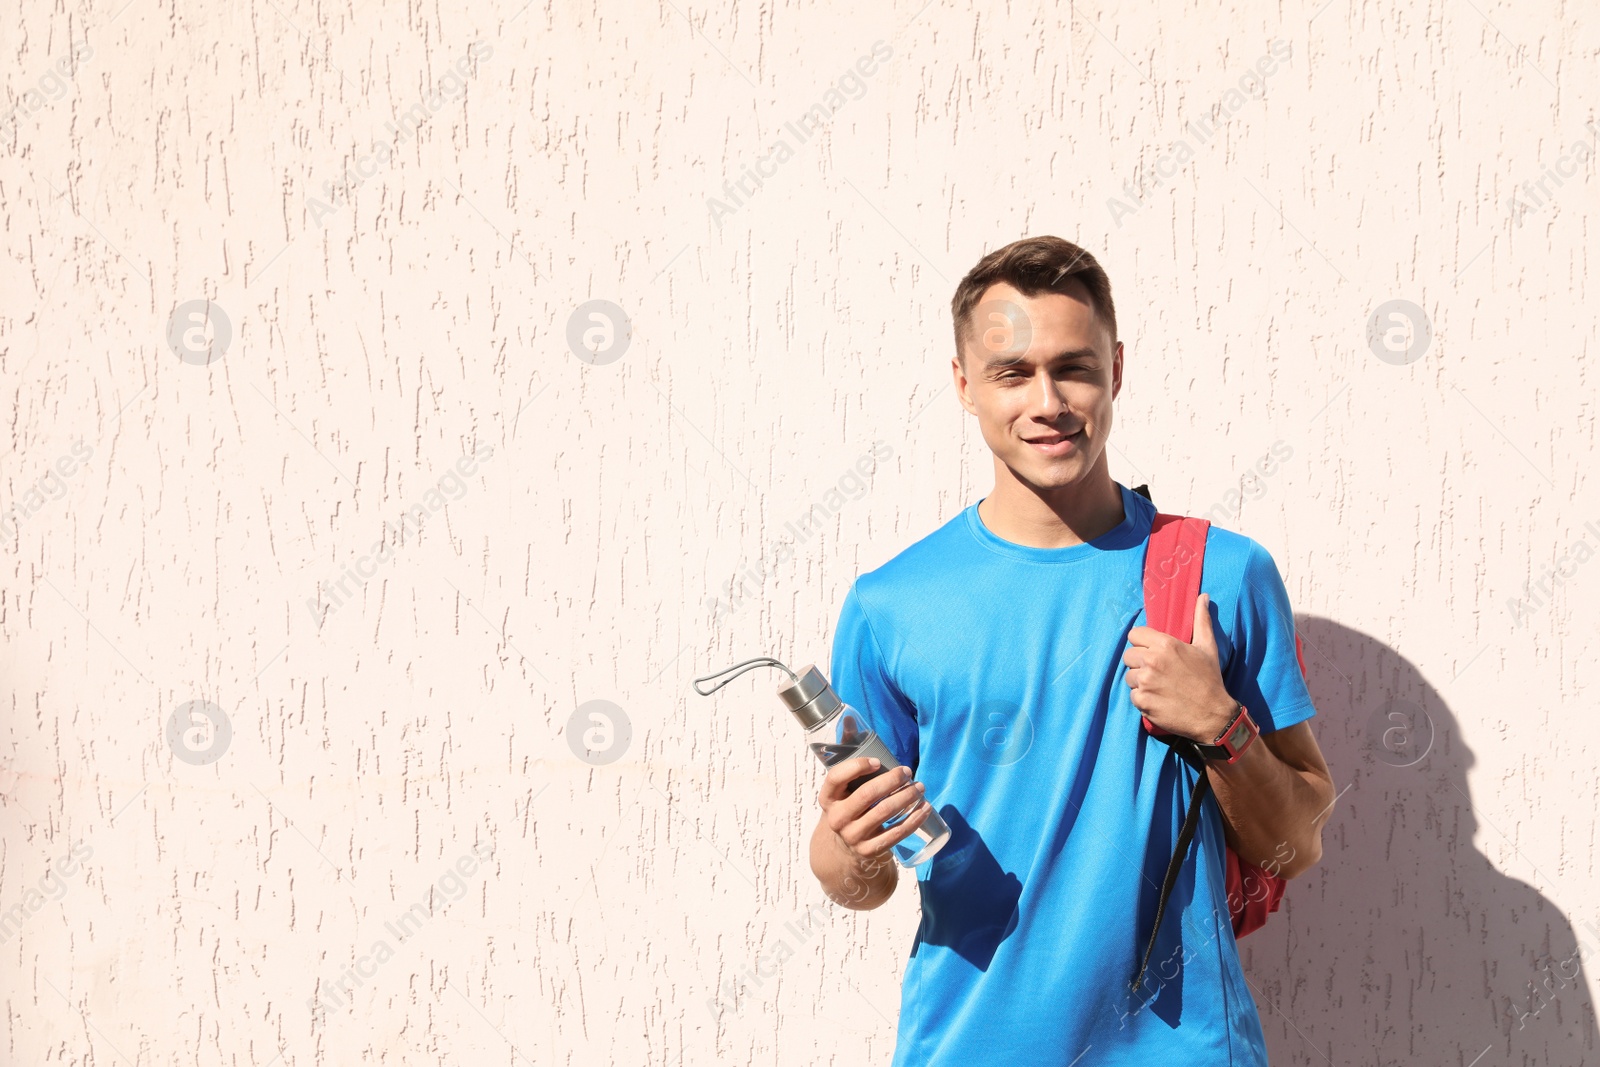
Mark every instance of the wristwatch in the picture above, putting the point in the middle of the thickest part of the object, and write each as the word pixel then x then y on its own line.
pixel 1234 738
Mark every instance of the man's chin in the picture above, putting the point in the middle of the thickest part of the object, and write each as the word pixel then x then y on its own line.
pixel 1049 477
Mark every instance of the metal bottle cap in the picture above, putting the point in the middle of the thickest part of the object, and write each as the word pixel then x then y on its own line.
pixel 810 698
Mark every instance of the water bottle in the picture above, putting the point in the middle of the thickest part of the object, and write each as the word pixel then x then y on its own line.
pixel 836 732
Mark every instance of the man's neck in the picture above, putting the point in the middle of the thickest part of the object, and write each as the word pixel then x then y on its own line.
pixel 1058 518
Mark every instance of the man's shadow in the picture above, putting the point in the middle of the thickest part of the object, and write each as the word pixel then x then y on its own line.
pixel 969 873
pixel 1406 944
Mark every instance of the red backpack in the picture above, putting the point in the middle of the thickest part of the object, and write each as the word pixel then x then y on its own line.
pixel 1172 564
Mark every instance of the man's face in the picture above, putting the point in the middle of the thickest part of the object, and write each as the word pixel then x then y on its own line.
pixel 1040 375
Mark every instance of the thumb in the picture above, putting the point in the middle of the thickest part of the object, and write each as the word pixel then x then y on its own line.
pixel 1203 637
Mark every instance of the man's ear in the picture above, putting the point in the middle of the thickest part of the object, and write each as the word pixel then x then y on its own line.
pixel 1116 372
pixel 963 391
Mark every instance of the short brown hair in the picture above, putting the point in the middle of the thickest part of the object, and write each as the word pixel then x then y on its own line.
pixel 1032 266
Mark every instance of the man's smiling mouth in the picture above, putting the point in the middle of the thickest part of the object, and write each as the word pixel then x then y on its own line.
pixel 1056 444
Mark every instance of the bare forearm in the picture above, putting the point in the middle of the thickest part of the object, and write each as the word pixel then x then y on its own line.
pixel 860 885
pixel 1271 808
pixel 1278 792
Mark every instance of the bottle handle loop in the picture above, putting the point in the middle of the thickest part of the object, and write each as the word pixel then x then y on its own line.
pixel 738 669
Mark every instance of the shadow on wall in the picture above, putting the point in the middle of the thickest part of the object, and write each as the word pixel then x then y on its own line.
pixel 1407 945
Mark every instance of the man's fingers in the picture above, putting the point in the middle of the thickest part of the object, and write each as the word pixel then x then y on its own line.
pixel 876 788
pixel 894 798
pixel 1203 637
pixel 918 815
pixel 839 777
pixel 1140 636
pixel 857 817
pixel 846 810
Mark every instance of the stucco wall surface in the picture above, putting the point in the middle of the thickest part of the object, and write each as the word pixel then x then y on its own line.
pixel 389 383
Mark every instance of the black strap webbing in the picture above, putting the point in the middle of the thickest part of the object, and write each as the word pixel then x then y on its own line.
pixel 1191 820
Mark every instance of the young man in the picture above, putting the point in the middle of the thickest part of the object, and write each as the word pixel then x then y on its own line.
pixel 1000 661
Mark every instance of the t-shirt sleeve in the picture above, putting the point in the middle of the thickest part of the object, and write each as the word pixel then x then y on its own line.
pixel 860 677
pixel 1264 671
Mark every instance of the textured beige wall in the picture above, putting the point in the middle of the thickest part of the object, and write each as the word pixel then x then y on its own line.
pixel 243 344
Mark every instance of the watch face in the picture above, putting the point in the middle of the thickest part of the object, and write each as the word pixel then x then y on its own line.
pixel 1240 735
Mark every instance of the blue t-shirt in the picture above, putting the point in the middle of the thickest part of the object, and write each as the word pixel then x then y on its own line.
pixel 995 671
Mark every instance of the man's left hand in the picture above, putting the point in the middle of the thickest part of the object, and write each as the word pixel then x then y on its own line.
pixel 1179 686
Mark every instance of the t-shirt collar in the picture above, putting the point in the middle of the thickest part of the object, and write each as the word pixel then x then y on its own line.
pixel 1137 514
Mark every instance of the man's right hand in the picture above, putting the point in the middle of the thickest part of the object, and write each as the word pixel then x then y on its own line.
pixel 850 851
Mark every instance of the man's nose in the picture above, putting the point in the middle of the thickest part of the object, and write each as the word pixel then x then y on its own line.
pixel 1047 399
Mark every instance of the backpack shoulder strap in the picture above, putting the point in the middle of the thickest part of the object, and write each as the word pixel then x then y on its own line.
pixel 1173 561
pixel 1174 557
